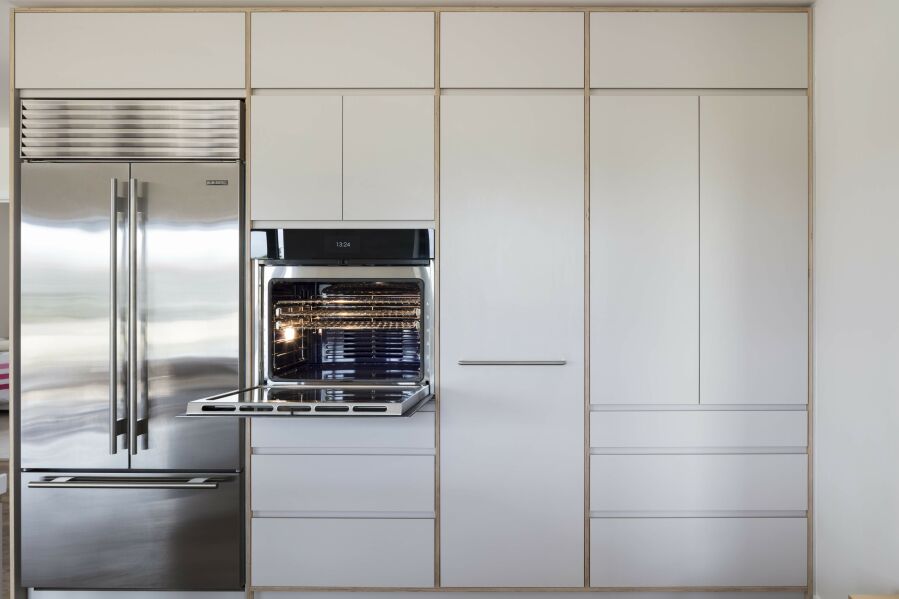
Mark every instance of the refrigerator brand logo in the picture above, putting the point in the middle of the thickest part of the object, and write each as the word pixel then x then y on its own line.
pixel 216 181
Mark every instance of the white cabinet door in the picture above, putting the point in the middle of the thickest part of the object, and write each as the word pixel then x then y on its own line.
pixel 754 250
pixel 672 552
pixel 698 49
pixel 512 220
pixel 130 50
pixel 388 157
pixel 512 49
pixel 343 49
pixel 512 287
pixel 296 158
pixel 644 250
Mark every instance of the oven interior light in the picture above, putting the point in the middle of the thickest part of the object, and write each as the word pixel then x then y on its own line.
pixel 290 334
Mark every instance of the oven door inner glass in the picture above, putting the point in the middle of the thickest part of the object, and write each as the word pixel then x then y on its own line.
pixel 345 330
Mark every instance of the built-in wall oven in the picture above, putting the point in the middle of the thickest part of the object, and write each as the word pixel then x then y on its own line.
pixel 343 325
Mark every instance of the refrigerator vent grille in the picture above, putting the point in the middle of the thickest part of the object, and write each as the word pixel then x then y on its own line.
pixel 130 129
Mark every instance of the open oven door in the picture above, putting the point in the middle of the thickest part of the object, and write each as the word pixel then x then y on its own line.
pixel 397 399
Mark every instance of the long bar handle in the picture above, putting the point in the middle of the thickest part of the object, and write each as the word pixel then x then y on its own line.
pixel 69 482
pixel 132 316
pixel 512 362
pixel 113 316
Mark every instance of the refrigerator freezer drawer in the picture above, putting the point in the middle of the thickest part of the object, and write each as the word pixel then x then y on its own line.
pixel 90 530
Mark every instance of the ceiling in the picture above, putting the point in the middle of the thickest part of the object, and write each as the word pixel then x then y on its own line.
pixel 6 5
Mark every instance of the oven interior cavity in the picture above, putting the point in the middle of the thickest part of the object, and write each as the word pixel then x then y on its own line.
pixel 346 330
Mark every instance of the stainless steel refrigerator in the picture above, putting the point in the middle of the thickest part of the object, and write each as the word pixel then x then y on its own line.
pixel 130 279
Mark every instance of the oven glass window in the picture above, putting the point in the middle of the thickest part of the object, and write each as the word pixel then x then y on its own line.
pixel 346 330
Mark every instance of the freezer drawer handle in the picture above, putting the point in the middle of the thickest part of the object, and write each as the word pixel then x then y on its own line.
pixel 512 362
pixel 73 482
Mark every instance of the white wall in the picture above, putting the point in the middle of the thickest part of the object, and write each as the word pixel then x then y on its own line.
pixel 857 297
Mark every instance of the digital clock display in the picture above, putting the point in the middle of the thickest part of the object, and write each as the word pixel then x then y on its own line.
pixel 342 244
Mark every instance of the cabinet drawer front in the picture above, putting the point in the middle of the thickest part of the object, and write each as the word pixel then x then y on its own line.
pixel 342 483
pixel 698 50
pixel 667 552
pixel 343 49
pixel 414 432
pixel 696 429
pixel 130 50
pixel 324 552
pixel 507 50
pixel 664 483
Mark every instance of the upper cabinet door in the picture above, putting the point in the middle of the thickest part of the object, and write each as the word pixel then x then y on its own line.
pixel 296 148
pixel 343 49
pixel 644 247
pixel 698 50
pixel 512 50
pixel 130 50
pixel 512 223
pixel 388 157
pixel 754 250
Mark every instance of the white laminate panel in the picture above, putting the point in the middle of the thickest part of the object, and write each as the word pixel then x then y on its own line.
pixel 324 552
pixel 511 476
pixel 343 49
pixel 694 483
pixel 130 50
pixel 511 49
pixel 388 158
pixel 416 432
pixel 512 228
pixel 669 552
pixel 695 429
pixel 644 250
pixel 697 50
pixel 296 171
pixel 754 250
pixel 342 483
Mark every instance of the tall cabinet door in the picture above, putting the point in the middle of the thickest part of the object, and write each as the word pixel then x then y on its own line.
pixel 188 309
pixel 644 250
pixel 68 408
pixel 512 285
pixel 754 250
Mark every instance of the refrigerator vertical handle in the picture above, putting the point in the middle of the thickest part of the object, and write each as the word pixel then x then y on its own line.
pixel 113 315
pixel 132 316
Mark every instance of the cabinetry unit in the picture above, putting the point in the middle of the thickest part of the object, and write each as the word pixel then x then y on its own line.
pixel 142 50
pixel 343 502
pixel 512 480
pixel 331 158
pixel 343 49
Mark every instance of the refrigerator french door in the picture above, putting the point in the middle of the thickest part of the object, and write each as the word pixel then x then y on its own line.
pixel 130 307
